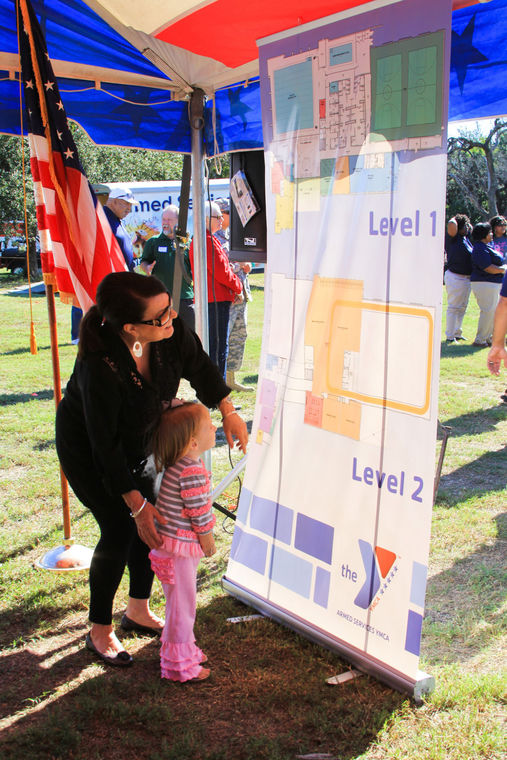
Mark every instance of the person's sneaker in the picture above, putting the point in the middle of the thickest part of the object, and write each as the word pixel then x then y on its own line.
pixel 451 340
pixel 460 337
pixel 481 345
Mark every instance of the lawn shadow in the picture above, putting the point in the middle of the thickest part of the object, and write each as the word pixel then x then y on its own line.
pixel 460 350
pixel 464 603
pixel 485 474
pixel 251 379
pixel 26 349
pixel 475 423
pixel 267 697
pixel 8 399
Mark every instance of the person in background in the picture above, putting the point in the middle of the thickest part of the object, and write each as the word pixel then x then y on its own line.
pixel 486 280
pixel 497 353
pixel 458 249
pixel 133 353
pixel 499 242
pixel 237 329
pixel 223 284
pixel 102 194
pixel 159 259
pixel 118 206
pixel 184 433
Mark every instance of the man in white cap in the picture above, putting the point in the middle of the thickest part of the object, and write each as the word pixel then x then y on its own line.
pixel 118 206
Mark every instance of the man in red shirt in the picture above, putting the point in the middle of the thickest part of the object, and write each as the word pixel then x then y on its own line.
pixel 223 284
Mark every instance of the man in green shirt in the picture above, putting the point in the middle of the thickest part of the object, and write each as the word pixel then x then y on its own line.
pixel 159 258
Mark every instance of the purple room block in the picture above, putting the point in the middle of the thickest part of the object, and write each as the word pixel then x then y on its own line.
pixel 321 590
pixel 413 637
pixel 249 550
pixel 418 586
pixel 271 518
pixel 271 361
pixel 268 393
pixel 291 571
pixel 314 538
pixel 266 419
pixel 244 505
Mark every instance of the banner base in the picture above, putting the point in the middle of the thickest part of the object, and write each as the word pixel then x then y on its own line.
pixel 417 689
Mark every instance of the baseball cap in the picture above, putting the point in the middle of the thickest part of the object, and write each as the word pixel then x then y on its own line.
pixel 123 192
pixel 224 205
pixel 99 189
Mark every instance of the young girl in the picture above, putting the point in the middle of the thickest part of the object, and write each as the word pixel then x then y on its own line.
pixel 184 433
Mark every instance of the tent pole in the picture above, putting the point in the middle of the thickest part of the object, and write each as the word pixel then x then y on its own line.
pixel 200 253
pixel 198 194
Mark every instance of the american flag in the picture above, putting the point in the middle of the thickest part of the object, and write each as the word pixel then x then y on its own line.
pixel 78 247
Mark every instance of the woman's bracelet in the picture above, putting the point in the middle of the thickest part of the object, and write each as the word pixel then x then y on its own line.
pixel 227 414
pixel 136 514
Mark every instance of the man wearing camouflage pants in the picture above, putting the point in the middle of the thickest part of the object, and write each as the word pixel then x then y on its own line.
pixel 238 312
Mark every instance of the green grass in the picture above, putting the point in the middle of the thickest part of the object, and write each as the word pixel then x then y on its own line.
pixel 267 696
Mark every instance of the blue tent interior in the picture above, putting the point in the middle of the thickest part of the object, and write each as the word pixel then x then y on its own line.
pixel 124 99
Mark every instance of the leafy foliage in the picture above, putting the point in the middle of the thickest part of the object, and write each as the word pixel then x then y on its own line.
pixel 476 172
pixel 101 164
pixel 109 164
pixel 11 183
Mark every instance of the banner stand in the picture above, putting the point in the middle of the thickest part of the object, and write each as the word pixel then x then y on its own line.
pixel 418 689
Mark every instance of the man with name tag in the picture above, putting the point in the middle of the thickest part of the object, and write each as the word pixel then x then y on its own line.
pixel 159 259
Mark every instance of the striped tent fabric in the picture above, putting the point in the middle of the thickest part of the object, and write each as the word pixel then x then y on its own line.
pixel 78 247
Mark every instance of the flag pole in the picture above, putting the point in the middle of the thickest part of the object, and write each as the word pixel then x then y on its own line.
pixel 69 556
pixel 57 385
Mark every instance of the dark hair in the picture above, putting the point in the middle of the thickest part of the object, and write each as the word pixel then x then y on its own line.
pixel 495 221
pixel 480 231
pixel 462 221
pixel 173 433
pixel 121 299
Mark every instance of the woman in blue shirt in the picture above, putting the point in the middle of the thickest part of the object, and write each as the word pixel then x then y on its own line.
pixel 486 280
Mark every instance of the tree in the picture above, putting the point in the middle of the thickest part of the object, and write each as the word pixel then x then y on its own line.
pixel 11 191
pixel 101 164
pixel 476 172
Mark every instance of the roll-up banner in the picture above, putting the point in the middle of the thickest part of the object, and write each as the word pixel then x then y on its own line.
pixel 333 527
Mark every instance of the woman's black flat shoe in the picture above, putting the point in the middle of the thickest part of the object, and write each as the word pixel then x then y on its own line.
pixel 121 660
pixel 130 625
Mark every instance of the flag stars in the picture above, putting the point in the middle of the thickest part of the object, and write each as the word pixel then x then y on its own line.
pixel 68 153
pixel 59 134
pixel 60 105
pixel 49 85
pixel 29 84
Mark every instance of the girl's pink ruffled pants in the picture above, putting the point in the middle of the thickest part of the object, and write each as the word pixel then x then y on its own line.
pixel 180 657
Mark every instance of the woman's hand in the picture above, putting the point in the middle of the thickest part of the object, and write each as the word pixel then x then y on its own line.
pixel 234 425
pixel 144 515
pixel 145 524
pixel 235 428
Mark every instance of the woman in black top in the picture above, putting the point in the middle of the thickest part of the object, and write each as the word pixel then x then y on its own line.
pixel 133 353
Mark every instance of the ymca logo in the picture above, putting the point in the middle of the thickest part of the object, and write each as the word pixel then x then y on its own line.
pixel 377 564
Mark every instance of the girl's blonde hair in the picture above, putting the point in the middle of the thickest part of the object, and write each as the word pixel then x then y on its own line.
pixel 174 432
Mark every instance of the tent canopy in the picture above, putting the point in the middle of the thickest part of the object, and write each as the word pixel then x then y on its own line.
pixel 125 70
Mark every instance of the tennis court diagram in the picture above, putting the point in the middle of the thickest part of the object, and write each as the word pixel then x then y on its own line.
pixel 359 352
